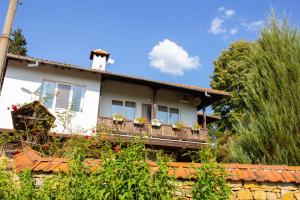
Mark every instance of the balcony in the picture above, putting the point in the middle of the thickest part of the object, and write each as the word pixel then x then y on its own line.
pixel 164 136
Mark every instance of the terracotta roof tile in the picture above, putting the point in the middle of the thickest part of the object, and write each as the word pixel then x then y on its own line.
pixel 30 159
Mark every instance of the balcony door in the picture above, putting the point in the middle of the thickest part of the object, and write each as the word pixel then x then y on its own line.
pixel 146 112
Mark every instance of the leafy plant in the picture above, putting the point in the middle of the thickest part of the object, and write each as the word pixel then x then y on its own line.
pixel 179 125
pixel 119 117
pixel 122 175
pixel 210 177
pixel 196 127
pixel 140 120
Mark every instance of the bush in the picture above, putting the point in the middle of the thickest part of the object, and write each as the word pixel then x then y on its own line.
pixel 125 175
pixel 210 178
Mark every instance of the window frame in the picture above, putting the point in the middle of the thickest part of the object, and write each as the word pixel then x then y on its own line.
pixel 168 112
pixel 53 107
pixel 123 107
pixel 151 111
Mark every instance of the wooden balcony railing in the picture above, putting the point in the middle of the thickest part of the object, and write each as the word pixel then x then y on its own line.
pixel 163 133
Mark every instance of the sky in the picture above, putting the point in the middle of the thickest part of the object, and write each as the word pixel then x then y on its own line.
pixel 167 40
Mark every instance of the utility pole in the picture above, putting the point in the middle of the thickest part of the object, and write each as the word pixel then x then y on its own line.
pixel 5 37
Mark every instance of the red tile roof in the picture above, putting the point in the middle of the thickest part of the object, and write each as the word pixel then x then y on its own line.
pixel 30 159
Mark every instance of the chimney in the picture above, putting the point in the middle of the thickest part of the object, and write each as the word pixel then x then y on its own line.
pixel 99 58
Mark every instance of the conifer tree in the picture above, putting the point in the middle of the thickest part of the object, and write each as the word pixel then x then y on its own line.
pixel 270 131
pixel 18 43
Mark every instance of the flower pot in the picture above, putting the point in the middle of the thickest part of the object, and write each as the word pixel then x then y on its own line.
pixel 155 123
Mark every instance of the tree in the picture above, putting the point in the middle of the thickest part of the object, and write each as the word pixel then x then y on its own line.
pixel 230 75
pixel 270 131
pixel 18 43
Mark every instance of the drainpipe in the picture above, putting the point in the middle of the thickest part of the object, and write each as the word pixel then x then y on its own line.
pixel 4 41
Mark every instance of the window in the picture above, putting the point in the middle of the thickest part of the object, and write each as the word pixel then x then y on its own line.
pixel 117 107
pixel 162 114
pixel 77 96
pixel 146 112
pixel 129 111
pixel 168 115
pixel 65 96
pixel 48 90
pixel 173 115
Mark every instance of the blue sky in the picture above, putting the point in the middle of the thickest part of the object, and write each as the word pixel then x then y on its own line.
pixel 168 40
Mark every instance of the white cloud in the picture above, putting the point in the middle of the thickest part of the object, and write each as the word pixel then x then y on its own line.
pixel 253 26
pixel 216 26
pixel 234 31
pixel 229 13
pixel 222 8
pixel 111 61
pixel 171 58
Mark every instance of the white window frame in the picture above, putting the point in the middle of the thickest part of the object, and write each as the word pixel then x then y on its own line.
pixel 81 107
pixel 179 113
pixel 168 109
pixel 123 107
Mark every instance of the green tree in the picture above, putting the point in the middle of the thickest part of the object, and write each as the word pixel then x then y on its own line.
pixel 270 130
pixel 18 43
pixel 230 75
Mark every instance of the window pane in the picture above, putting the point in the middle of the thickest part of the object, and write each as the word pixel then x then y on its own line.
pixel 129 110
pixel 117 107
pixel 78 93
pixel 63 95
pixel 48 89
pixel 146 112
pixel 162 114
pixel 174 115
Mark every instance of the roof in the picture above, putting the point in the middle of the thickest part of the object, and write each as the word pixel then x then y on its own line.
pixel 208 93
pixel 209 118
pixel 30 159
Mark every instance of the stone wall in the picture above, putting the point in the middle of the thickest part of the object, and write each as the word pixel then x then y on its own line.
pixel 244 190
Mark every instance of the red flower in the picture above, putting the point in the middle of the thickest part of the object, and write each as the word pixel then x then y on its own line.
pixel 14 108
pixel 46 146
pixel 116 149
pixel 16 152
pixel 86 137
pixel 35 132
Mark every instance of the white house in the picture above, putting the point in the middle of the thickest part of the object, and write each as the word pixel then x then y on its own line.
pixel 93 95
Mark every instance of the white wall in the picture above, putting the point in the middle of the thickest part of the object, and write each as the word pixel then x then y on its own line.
pixel 115 90
pixel 20 81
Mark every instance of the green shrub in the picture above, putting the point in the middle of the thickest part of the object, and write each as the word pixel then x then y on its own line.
pixel 210 178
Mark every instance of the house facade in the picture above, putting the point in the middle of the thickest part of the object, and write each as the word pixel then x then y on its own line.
pixel 85 98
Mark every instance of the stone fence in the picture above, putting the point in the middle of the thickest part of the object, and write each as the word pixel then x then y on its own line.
pixel 261 182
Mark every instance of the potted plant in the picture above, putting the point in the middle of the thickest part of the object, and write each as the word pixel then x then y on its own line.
pixel 155 123
pixel 196 128
pixel 118 118
pixel 140 121
pixel 178 126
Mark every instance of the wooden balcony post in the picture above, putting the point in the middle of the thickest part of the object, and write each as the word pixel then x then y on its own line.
pixel 204 117
pixel 154 103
